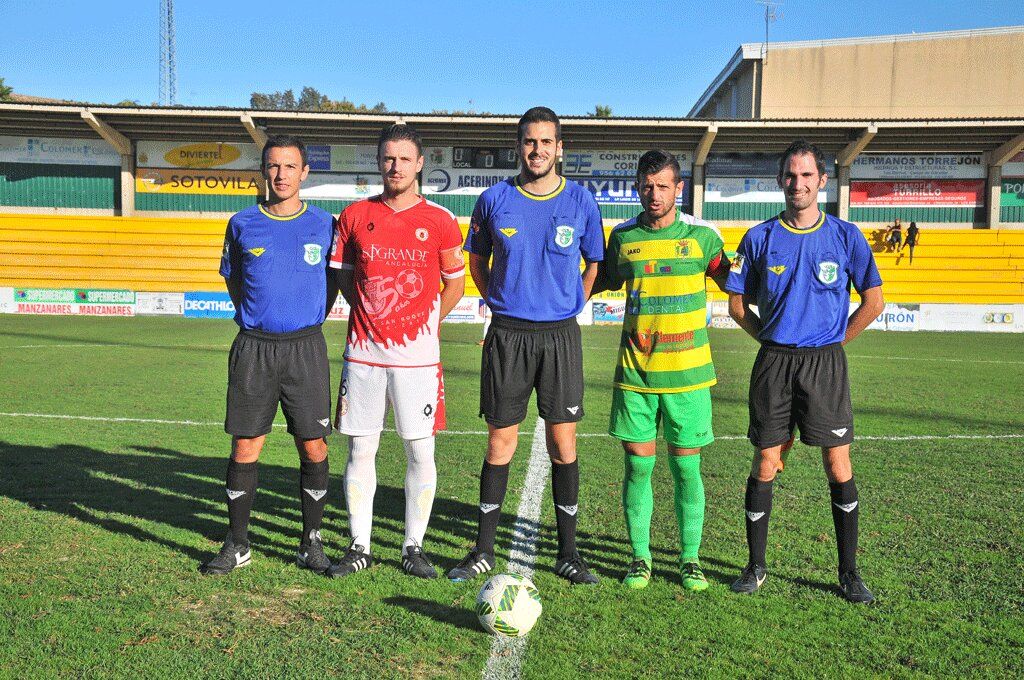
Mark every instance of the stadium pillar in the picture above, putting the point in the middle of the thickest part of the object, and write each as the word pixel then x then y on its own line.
pixel 844 192
pixel 698 191
pixel 127 185
pixel 994 195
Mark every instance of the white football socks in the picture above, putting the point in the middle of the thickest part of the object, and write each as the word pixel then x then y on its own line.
pixel 420 484
pixel 361 485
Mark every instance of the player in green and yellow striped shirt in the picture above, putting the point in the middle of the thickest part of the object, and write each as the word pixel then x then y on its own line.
pixel 664 371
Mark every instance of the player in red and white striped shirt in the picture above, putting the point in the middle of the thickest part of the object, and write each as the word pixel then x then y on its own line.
pixel 399 265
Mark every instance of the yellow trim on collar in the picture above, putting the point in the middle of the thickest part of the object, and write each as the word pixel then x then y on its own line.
pixel 817 225
pixel 285 218
pixel 544 197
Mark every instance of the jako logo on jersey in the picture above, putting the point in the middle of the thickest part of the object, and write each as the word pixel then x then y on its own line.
pixel 828 272
pixel 754 516
pixel 421 234
pixel 488 507
pixel 508 231
pixel 257 251
pixel 737 265
pixel 840 432
pixel 777 269
pixel 313 253
pixel 563 236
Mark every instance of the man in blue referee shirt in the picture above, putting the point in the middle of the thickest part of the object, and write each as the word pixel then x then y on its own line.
pixel 797 269
pixel 275 267
pixel 537 226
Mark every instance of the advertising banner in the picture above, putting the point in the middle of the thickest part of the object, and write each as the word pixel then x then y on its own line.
pixel 340 310
pixel 342 158
pixel 7 301
pixel 209 306
pixel 467 310
pixel 166 304
pixel 617 163
pixel 58 150
pixel 66 301
pixel 750 165
pixel 621 190
pixel 1013 192
pixel 922 193
pixel 896 317
pixel 197 155
pixel 983 318
pixel 607 312
pixel 1015 166
pixel 342 187
pixel 718 315
pixel 756 190
pixel 437 180
pixel 918 166
pixel 220 182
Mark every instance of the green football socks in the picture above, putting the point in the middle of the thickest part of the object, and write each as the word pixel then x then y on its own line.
pixel 689 503
pixel 638 502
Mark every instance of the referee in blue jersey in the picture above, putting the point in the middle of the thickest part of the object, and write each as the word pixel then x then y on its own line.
pixel 797 269
pixel 275 267
pixel 536 227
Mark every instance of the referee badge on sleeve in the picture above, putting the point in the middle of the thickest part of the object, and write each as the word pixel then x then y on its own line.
pixel 313 254
pixel 737 265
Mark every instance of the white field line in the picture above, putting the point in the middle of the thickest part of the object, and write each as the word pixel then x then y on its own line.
pixel 506 659
pixel 476 433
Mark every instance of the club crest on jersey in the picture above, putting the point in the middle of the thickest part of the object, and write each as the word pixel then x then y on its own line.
pixel 737 265
pixel 563 236
pixel 828 272
pixel 313 253
pixel 683 248
pixel 421 234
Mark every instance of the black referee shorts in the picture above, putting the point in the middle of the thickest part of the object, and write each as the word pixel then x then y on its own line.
pixel 265 369
pixel 800 387
pixel 522 356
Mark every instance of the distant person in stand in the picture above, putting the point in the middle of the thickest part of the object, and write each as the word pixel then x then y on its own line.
pixel 913 235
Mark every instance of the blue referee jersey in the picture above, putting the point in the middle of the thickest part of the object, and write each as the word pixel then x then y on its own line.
pixel 282 264
pixel 801 278
pixel 537 243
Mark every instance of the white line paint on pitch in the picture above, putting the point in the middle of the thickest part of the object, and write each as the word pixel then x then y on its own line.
pixel 506 659
pixel 476 433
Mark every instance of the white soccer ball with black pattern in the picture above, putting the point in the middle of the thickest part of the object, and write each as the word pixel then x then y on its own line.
pixel 508 605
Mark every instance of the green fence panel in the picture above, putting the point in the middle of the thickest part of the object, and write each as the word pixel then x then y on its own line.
pixel 192 202
pixel 60 186
pixel 750 212
pixel 935 214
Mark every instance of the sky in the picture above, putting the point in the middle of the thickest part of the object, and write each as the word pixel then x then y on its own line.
pixel 642 58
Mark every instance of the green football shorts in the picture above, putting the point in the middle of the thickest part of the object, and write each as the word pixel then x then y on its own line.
pixel 686 415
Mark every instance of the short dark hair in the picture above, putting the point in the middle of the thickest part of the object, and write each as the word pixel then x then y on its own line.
pixel 283 142
pixel 799 148
pixel 539 114
pixel 397 132
pixel 656 160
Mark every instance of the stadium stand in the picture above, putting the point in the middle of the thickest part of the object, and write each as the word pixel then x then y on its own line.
pixel 179 255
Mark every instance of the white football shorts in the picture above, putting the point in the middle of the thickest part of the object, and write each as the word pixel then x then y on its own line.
pixel 415 395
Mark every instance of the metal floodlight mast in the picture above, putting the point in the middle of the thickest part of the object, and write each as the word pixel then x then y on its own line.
pixel 168 69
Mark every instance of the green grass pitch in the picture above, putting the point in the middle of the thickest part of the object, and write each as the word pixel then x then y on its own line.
pixel 103 522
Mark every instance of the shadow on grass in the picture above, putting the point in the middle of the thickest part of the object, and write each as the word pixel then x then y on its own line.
pixel 459 617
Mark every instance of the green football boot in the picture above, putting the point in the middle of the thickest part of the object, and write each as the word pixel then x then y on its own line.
pixel 639 574
pixel 692 577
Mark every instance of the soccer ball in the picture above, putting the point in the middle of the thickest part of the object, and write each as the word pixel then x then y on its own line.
pixel 508 605
pixel 409 283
